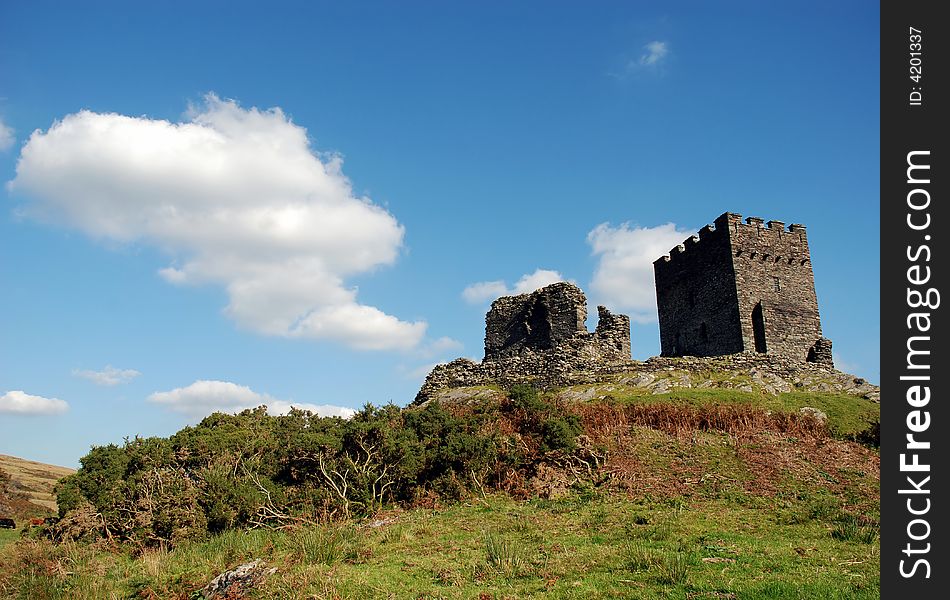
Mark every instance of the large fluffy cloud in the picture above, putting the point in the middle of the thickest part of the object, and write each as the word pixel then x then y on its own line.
pixel 623 278
pixel 483 291
pixel 18 402
pixel 236 197
pixel 202 398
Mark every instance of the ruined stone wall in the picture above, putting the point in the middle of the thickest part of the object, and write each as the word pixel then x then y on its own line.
pixel 540 320
pixel 553 318
pixel 539 338
pixel 697 304
pixel 740 287
pixel 612 334
pixel 778 307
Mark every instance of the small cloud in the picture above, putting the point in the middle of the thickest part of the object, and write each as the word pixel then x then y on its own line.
pixel 845 365
pixel 538 279
pixel 18 402
pixel 655 52
pixel 6 137
pixel 437 349
pixel 279 407
pixel 204 397
pixel 443 344
pixel 421 371
pixel 653 56
pixel 109 376
pixel 483 291
pixel 623 278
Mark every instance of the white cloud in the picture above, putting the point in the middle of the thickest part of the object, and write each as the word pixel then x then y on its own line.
pixel 650 61
pixel 845 365
pixel 483 291
pixel 654 53
pixel 419 373
pixel 237 198
pixel 18 402
pixel 623 278
pixel 202 398
pixel 108 376
pixel 7 138
pixel 443 344
pixel 280 407
pixel 533 281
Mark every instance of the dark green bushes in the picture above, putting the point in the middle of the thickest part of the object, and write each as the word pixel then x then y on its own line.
pixel 251 469
pixel 554 429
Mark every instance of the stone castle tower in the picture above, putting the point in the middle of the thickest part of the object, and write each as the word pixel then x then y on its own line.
pixel 740 287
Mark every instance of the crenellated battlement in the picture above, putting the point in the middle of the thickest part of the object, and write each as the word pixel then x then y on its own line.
pixel 754 238
pixel 709 236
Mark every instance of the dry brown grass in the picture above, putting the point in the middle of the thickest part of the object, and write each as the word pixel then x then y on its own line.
pixel 35 480
pixel 670 450
pixel 678 420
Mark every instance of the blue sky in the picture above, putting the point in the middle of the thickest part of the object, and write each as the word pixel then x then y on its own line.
pixel 212 205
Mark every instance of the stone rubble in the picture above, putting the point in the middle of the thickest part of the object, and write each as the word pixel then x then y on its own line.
pixel 658 375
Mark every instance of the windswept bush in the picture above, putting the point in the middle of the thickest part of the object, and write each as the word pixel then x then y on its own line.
pixel 254 470
pixel 553 428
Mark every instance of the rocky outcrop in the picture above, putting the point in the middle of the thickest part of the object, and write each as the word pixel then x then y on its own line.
pixel 659 375
pixel 238 581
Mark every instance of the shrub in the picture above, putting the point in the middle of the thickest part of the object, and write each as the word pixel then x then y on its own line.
pixel 543 420
pixel 252 469
pixel 871 436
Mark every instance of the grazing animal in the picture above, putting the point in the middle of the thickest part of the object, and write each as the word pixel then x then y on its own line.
pixel 7 523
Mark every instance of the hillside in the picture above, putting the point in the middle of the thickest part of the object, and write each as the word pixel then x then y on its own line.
pixel 30 490
pixel 619 488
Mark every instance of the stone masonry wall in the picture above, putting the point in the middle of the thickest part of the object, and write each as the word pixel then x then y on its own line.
pixel 774 272
pixel 741 287
pixel 696 297
pixel 541 338
pixel 540 320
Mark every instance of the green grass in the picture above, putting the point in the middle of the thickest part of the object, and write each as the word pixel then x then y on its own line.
pixel 694 520
pixel 582 546
pixel 8 536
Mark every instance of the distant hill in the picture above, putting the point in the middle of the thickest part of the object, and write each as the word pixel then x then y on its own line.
pixel 30 489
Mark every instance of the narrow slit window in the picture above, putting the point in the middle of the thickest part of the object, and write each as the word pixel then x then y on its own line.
pixel 776 284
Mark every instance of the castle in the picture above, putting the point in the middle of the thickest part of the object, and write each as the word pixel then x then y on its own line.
pixel 740 287
pixel 736 288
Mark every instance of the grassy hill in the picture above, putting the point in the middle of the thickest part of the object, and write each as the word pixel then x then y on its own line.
pixel 690 493
pixel 34 481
